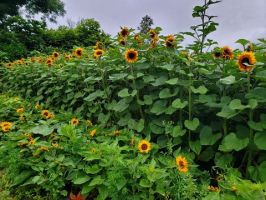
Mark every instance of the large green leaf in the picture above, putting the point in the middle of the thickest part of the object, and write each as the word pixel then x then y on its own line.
pixel 193 124
pixel 178 104
pixel 207 137
pixel 260 139
pixel 42 130
pixel 232 142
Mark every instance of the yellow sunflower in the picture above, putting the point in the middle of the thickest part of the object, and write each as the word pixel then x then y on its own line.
pixel 47 115
pixel 170 41
pixel 144 146
pixel 213 188
pixel 122 41
pixel 98 45
pixel 131 55
pixel 154 41
pixel 49 62
pixel 182 164
pixel 20 110
pixel 227 53
pixel 55 55
pixel 98 53
pixel 78 52
pixel 246 61
pixel 32 59
pixel 74 121
pixel 93 132
pixel 152 33
pixel 124 32
pixel 116 132
pixel 6 126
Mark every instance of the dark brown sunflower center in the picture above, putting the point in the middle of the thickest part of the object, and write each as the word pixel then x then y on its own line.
pixel 45 113
pixel 131 55
pixel 181 164
pixel 217 54
pixel 226 51
pixel 99 53
pixel 124 32
pixel 79 52
pixel 246 61
pixel 144 147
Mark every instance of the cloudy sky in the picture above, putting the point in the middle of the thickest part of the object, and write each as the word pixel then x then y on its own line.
pixel 237 18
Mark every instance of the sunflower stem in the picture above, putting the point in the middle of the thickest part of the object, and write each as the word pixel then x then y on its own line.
pixel 190 100
pixel 135 88
pixel 250 129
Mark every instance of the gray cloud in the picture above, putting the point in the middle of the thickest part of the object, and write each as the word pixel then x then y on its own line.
pixel 237 18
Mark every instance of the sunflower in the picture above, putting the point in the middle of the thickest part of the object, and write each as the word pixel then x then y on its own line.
pixel 20 110
pixel 89 122
pixel 40 60
pixel 68 57
pixel 124 32
pixel 116 132
pixel 122 41
pixel 250 48
pixel 55 55
pixel 98 45
pixel 152 33
pixel 213 188
pixel 78 52
pixel 49 62
pixel 74 121
pixel 131 55
pixel 32 59
pixel 246 61
pixel 227 53
pixel 170 41
pixel 182 164
pixel 98 53
pixel 154 42
pixel 144 146
pixel 9 65
pixel 6 126
pixel 47 115
pixel 93 132
pixel 217 53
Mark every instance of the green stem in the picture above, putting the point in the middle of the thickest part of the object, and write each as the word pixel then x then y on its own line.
pixel 190 100
pixel 251 134
pixel 135 88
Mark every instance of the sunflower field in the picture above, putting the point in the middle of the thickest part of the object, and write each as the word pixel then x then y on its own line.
pixel 141 117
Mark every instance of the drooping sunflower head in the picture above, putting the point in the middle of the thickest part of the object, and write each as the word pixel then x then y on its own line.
pixel 182 164
pixel 78 52
pixel 74 121
pixel 131 55
pixel 250 48
pixel 144 146
pixel 152 33
pixel 246 61
pixel 170 41
pixel 154 41
pixel 93 132
pixel 55 55
pixel 98 45
pixel 20 110
pixel 217 53
pixel 227 53
pixel 124 32
pixel 98 53
pixel 122 41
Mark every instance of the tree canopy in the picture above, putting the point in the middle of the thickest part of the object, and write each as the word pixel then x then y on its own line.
pixel 49 9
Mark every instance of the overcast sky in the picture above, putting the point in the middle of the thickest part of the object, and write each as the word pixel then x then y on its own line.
pixel 237 18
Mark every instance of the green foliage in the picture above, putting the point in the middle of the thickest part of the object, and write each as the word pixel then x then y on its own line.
pixel 145 24
pixel 49 9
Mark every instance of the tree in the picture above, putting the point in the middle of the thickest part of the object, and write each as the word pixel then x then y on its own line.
pixel 145 24
pixel 49 9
